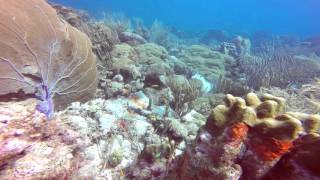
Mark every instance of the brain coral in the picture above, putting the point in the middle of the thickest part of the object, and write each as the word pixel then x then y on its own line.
pixel 42 55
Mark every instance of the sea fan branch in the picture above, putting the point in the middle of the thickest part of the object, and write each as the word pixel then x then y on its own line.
pixel 52 86
pixel 76 82
pixel 23 80
pixel 72 71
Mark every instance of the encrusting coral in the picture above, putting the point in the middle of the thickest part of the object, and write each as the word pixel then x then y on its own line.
pixel 44 56
pixel 244 138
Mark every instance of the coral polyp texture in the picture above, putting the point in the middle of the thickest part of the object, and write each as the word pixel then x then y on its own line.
pixel 44 56
pixel 245 138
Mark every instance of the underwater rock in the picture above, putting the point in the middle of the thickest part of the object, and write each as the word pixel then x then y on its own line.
pixel 44 56
pixel 131 38
pixel 103 38
pixel 32 147
pixel 152 161
pixel 155 73
pixel 114 89
pixel 114 133
pixel 159 97
pixel 245 138
pixel 193 121
pixel 127 136
pixel 210 64
pixel 123 62
pixel 76 18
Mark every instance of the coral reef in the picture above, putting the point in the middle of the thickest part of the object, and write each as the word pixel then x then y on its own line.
pixel 296 101
pixel 33 148
pixel 204 104
pixel 103 37
pixel 277 68
pixel 151 53
pixel 228 86
pixel 184 92
pixel 114 133
pixel 311 90
pixel 131 38
pixel 117 21
pixel 44 56
pixel 211 64
pixel 157 112
pixel 159 34
pixel 245 138
pixel 123 60
pixel 243 46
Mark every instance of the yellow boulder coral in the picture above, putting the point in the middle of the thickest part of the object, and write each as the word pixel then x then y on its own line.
pixel 265 116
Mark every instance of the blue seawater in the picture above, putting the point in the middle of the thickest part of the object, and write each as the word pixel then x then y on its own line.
pixel 294 17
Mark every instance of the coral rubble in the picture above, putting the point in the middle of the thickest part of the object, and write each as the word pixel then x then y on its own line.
pixel 33 148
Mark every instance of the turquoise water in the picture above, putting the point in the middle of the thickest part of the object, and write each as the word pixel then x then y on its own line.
pixel 294 17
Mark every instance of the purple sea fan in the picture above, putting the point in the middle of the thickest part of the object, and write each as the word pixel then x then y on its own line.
pixel 44 56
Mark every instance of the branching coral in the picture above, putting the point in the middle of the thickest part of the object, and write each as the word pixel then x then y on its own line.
pixel 277 68
pixel 184 92
pixel 159 33
pixel 43 55
pixel 117 21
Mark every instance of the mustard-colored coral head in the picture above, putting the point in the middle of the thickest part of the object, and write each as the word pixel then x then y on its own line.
pixel 252 100
pixel 265 116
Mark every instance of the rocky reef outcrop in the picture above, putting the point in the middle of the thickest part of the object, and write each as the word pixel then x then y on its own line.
pixel 250 139
pixel 32 147
pixel 103 38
